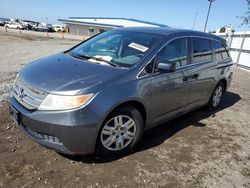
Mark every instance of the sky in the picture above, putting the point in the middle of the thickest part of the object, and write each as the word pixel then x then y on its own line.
pixel 174 13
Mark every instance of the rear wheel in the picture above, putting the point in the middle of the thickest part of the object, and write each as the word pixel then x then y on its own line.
pixel 121 132
pixel 216 97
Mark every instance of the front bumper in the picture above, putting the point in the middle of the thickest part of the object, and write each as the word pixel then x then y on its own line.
pixel 70 132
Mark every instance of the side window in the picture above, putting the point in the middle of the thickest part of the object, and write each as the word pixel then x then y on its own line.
pixel 220 51
pixel 175 51
pixel 202 50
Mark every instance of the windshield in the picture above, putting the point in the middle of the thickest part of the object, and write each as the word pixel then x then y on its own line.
pixel 116 48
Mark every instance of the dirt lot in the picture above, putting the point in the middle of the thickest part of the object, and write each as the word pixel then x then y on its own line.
pixel 200 149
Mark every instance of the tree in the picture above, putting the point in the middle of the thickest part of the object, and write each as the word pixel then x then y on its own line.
pixel 246 19
pixel 223 29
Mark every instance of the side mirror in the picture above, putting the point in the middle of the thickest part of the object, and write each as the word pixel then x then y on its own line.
pixel 166 66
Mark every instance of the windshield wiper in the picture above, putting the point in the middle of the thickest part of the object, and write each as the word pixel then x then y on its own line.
pixel 81 56
pixel 104 60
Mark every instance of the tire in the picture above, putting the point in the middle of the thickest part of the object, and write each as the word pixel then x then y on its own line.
pixel 217 96
pixel 120 132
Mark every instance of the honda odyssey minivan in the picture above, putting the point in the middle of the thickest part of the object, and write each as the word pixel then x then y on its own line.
pixel 100 95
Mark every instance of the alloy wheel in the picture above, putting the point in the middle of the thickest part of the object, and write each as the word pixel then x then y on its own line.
pixel 118 133
pixel 217 96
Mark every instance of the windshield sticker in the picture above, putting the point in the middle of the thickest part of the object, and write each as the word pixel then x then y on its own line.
pixel 138 47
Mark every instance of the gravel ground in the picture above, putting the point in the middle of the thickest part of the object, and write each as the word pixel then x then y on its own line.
pixel 200 149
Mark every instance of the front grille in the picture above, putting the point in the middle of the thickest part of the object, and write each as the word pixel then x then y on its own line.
pixel 26 95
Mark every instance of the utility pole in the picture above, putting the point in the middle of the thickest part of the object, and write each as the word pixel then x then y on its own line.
pixel 195 20
pixel 210 4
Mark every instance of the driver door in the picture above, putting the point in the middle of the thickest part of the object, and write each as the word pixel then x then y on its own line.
pixel 170 92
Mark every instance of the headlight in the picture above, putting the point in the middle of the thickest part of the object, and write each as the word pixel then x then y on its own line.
pixel 12 86
pixel 14 83
pixel 60 102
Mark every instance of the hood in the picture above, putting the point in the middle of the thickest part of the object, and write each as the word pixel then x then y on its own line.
pixel 62 72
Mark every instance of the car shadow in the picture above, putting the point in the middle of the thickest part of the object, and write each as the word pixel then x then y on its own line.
pixel 157 135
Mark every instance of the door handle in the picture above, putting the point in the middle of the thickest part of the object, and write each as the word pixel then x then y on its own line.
pixel 196 76
pixel 185 78
pixel 191 77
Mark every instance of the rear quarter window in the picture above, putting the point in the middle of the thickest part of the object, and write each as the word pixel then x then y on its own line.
pixel 221 52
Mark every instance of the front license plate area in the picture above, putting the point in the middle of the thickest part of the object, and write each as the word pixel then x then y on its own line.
pixel 14 114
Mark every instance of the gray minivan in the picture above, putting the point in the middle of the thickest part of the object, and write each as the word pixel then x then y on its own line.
pixel 103 93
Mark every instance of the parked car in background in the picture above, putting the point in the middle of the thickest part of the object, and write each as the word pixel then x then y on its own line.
pixel 103 93
pixel 2 23
pixel 29 24
pixel 59 28
pixel 15 25
pixel 42 28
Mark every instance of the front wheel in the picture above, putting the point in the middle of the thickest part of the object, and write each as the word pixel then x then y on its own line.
pixel 216 97
pixel 121 132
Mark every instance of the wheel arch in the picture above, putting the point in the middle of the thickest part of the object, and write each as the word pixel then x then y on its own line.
pixel 217 82
pixel 134 103
pixel 224 81
pixel 131 102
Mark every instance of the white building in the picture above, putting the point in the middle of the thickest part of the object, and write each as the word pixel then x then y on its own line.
pixel 89 26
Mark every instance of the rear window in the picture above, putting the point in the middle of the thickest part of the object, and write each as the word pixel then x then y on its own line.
pixel 202 50
pixel 221 52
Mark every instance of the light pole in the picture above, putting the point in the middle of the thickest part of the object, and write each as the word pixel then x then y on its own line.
pixel 210 3
pixel 195 20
